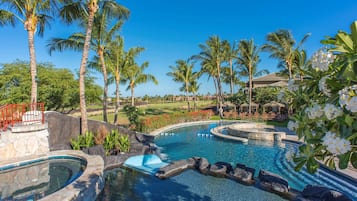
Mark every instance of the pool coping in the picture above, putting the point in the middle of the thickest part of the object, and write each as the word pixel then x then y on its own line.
pixel 86 187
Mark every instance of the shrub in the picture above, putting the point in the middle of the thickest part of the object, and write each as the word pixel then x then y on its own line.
pixel 133 116
pixel 100 135
pixel 326 105
pixel 83 141
pixel 151 123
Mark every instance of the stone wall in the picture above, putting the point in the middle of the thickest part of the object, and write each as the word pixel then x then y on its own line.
pixel 63 128
pixel 24 141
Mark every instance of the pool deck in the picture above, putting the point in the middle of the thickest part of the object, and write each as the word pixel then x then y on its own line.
pixel 291 137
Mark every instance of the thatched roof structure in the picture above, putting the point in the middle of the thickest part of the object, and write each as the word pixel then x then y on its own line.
pixel 272 79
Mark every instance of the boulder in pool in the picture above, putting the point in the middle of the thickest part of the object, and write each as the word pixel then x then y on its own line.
pixel 273 182
pixel 218 170
pixel 174 168
pixel 244 174
pixel 202 164
pixel 321 193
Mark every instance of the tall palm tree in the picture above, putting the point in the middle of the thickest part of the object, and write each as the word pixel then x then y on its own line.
pixel 107 12
pixel 212 56
pixel 281 46
pixel 135 75
pixel 35 15
pixel 183 72
pixel 84 11
pixel 248 59
pixel 230 54
pixel 119 62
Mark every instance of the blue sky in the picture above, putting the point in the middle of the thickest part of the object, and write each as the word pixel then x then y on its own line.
pixel 172 30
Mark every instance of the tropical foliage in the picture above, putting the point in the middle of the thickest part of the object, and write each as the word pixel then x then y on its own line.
pixel 281 45
pixel 248 60
pixel 58 88
pixel 35 15
pixel 326 105
pixel 183 72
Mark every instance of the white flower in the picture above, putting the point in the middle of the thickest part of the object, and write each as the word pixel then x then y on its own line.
pixel 314 112
pixel 292 125
pixel 321 60
pixel 331 111
pixel 334 144
pixel 348 98
pixel 352 104
pixel 323 86
pixel 292 86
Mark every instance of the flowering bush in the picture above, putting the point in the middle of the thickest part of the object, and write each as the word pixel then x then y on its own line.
pixel 148 124
pixel 325 105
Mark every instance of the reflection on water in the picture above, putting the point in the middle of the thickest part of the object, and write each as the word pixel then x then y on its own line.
pixel 125 184
pixel 34 181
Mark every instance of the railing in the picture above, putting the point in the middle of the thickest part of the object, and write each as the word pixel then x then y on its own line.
pixel 21 114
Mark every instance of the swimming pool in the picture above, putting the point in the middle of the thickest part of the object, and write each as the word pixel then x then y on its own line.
pixel 185 142
pixel 33 180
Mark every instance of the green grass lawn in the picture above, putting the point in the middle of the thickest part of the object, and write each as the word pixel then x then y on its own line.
pixel 151 109
pixel 166 108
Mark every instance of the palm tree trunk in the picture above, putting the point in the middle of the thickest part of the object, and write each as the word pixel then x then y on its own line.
pixel 117 105
pixel 290 70
pixel 188 102
pixel 194 102
pixel 217 98
pixel 250 90
pixel 92 7
pixel 33 67
pixel 105 91
pixel 132 96
pixel 231 76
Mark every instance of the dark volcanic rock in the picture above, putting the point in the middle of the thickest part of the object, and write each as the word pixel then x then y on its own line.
pixel 244 174
pixel 273 182
pixel 321 193
pixel 174 168
pixel 218 170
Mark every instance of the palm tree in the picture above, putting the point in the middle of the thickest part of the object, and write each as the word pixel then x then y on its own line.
pixel 281 46
pixel 84 11
pixel 182 72
pixel 35 15
pixel 102 35
pixel 248 59
pixel 135 75
pixel 119 61
pixel 301 63
pixel 230 54
pixel 212 57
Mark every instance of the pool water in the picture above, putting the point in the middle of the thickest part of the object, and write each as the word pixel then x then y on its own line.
pixel 34 180
pixel 128 184
pixel 186 142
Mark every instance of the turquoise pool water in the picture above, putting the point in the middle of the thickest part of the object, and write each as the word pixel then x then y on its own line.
pixel 33 180
pixel 186 142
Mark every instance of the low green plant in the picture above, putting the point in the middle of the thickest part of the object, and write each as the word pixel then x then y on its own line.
pixel 83 141
pixel 109 143
pixel 123 143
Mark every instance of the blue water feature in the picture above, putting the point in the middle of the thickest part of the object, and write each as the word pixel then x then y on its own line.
pixel 194 140
pixel 186 142
pixel 148 163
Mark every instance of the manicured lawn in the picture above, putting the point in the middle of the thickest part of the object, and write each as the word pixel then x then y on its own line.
pixel 152 109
